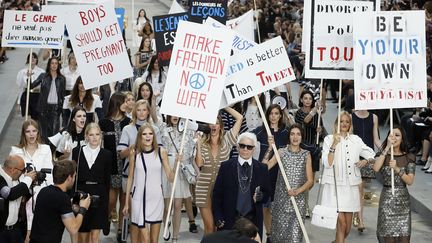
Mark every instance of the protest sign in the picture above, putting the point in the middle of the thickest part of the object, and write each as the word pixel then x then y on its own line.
pixel 197 71
pixel 239 44
pixel 390 60
pixel 258 69
pixel 80 1
pixel 176 8
pixel 329 48
pixel 98 44
pixel 25 29
pixel 243 25
pixel 120 14
pixel 165 27
pixel 200 10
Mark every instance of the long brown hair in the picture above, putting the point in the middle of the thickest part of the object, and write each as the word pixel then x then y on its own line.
pixel 74 98
pixel 139 141
pixel 207 137
pixel 23 142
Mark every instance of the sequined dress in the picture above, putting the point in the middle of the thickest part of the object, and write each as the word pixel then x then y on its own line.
pixel 394 214
pixel 285 226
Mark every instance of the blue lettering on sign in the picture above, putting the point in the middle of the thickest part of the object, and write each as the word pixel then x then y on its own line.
pixel 208 11
pixel 169 23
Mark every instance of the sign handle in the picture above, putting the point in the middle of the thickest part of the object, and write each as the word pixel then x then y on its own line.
pixel 275 151
pixel 165 233
pixel 319 112
pixel 29 79
pixel 392 152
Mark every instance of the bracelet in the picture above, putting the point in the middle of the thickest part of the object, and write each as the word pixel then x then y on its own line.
pixel 332 150
pixel 401 173
pixel 82 211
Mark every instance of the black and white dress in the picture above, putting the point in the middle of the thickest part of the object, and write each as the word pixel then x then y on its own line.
pixel 147 203
pixel 93 176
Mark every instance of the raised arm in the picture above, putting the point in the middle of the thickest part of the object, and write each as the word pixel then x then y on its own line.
pixel 238 117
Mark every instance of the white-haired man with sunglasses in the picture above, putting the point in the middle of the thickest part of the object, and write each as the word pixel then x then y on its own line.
pixel 242 185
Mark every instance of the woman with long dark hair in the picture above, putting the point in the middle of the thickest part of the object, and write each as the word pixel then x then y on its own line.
pixel 143 56
pixel 52 91
pixel 307 117
pixel 156 76
pixel 138 26
pixel 111 127
pixel 297 164
pixel 275 119
pixel 84 98
pixel 72 135
pixel 394 212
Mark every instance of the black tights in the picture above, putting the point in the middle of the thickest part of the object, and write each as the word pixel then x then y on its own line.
pixel 402 239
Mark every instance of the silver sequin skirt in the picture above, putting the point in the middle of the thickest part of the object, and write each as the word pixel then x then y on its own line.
pixel 394 214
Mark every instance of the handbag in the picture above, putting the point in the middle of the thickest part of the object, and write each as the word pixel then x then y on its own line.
pixel 325 216
pixel 189 173
pixel 187 169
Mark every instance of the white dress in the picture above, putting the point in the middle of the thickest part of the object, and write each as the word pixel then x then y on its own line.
pixel 171 140
pixel 41 159
pixel 147 199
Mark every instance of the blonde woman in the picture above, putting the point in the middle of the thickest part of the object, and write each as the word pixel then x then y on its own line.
pixel 146 162
pixel 341 160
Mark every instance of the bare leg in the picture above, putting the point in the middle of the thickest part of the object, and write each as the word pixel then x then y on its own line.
pixel 360 213
pixel 207 216
pixel 83 237
pixel 177 216
pixel 267 221
pixel 94 236
pixel 154 232
pixel 425 150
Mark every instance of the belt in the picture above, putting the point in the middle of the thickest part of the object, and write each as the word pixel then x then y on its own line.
pixel 88 183
pixel 33 91
pixel 10 227
pixel 399 186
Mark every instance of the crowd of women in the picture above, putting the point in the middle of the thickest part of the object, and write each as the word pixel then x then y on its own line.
pixel 126 151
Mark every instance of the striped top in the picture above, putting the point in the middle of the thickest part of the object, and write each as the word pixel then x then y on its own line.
pixel 210 168
pixel 309 129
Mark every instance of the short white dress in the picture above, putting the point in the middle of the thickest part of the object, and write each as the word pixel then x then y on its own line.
pixel 147 199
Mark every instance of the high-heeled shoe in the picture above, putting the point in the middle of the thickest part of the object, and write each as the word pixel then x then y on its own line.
pixel 428 164
pixel 355 220
pixel 361 227
pixel 429 171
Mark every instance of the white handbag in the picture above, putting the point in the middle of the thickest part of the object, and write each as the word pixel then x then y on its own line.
pixel 324 216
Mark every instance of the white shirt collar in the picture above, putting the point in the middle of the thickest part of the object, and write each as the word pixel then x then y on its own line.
pixel 90 154
pixel 242 161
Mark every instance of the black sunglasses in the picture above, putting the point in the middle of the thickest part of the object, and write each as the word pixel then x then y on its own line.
pixel 249 147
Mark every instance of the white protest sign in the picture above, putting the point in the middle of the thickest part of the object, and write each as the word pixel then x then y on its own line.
pixel 197 71
pixel 176 8
pixel 330 51
pixel 258 69
pixel 243 25
pixel 98 44
pixel 25 29
pixel 390 60
pixel 240 43
pixel 80 1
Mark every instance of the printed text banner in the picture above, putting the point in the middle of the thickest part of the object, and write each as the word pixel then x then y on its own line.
pixel 26 29
pixel 197 70
pixel 200 10
pixel 329 49
pixel 258 69
pixel 390 60
pixel 165 27
pixel 98 44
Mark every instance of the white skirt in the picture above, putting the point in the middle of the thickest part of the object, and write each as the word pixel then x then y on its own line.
pixel 182 187
pixel 348 197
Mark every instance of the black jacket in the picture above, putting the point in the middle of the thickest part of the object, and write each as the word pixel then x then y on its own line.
pixel 45 84
pixel 15 192
pixel 226 189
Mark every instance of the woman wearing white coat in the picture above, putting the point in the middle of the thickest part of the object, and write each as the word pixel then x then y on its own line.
pixel 342 151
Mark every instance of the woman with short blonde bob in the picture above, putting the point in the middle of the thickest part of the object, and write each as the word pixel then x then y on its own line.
pixel 341 161
pixel 146 161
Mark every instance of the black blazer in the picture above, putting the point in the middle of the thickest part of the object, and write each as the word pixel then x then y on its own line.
pixel 226 189
pixel 15 192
